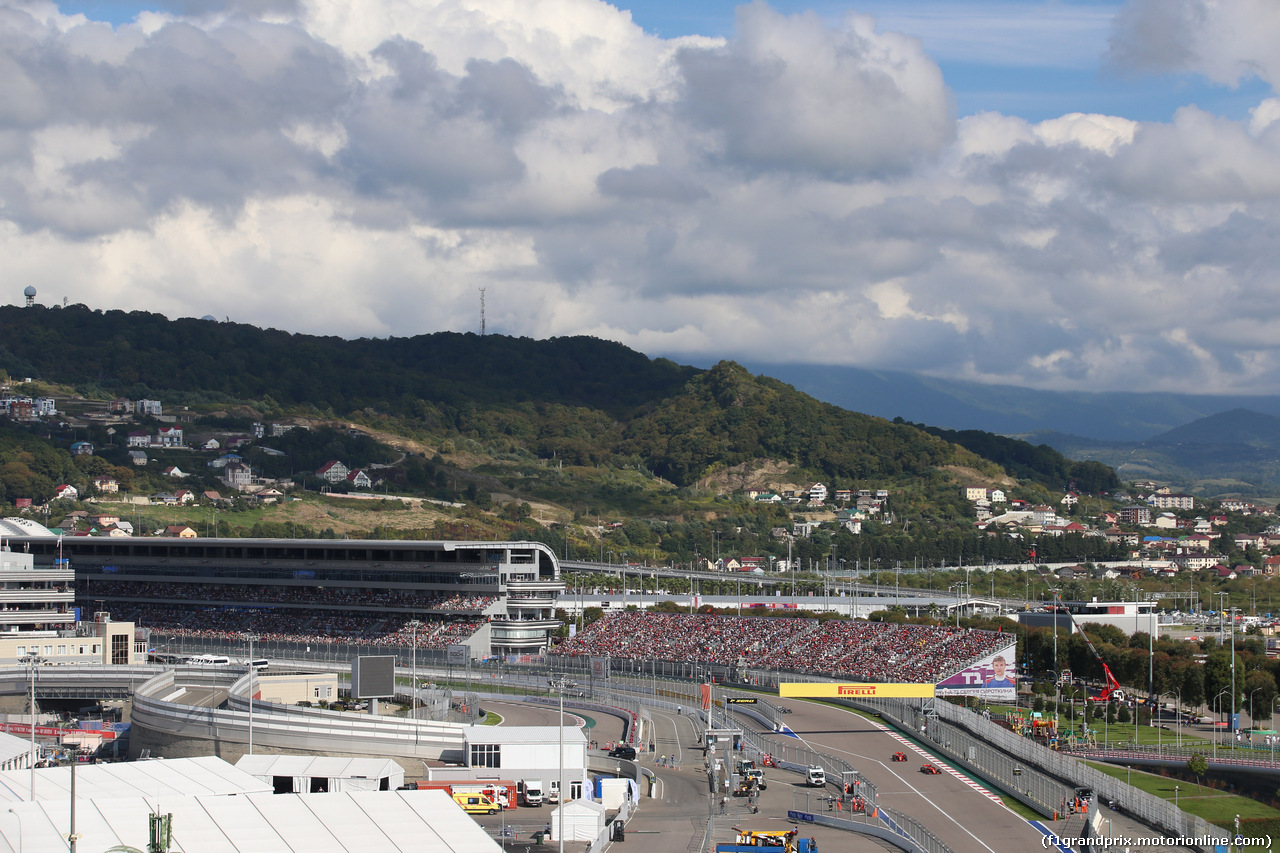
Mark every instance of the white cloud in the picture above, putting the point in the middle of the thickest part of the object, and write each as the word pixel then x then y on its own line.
pixel 1226 40
pixel 800 188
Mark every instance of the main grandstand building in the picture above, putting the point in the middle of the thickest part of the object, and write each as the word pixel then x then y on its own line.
pixel 497 597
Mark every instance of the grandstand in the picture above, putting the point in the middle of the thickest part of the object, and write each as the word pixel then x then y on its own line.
pixel 859 651
pixel 498 597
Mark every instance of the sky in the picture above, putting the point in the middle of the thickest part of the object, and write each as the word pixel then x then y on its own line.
pixel 1060 195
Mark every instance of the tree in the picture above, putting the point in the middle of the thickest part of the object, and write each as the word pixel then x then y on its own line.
pixel 1197 766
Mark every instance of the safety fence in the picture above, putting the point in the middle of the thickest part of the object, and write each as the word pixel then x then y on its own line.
pixel 1039 776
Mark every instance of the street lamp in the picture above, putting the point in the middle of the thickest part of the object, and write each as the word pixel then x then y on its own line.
pixel 1218 706
pixel 252 672
pixel 1177 712
pixel 1221 620
pixel 32 661
pixel 1274 701
pixel 414 625
pixel 1175 796
pixel 559 683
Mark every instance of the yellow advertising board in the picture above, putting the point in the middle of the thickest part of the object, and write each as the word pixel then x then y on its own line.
pixel 809 690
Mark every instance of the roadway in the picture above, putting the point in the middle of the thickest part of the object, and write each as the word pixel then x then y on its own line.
pixel 951 805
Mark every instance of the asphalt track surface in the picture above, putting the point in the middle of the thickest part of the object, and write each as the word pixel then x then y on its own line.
pixel 952 805
pixel 948 804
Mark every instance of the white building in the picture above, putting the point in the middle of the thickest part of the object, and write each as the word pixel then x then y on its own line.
pixel 522 752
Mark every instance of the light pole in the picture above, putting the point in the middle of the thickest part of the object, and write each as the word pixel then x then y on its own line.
pixel 1175 796
pixel 414 625
pixel 1218 706
pixel 1222 613
pixel 1177 714
pixel 1056 602
pixel 32 661
pixel 562 798
pixel 1273 737
pixel 252 672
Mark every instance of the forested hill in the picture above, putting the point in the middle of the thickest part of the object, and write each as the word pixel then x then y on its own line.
pixel 727 416
pixel 138 354
pixel 1038 462
pixel 581 400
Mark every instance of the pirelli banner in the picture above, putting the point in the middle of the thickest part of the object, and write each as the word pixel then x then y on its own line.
pixel 809 690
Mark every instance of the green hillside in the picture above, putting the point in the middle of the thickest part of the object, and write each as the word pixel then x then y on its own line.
pixel 493 411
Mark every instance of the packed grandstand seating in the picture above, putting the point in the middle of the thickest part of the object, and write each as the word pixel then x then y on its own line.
pixel 306 595
pixel 294 625
pixel 863 651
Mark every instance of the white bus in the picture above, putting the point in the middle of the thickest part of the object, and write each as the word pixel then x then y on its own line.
pixel 209 660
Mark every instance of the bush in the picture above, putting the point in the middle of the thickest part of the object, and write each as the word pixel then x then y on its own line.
pixel 1123 714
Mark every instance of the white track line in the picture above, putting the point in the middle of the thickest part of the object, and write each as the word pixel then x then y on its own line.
pixel 917 791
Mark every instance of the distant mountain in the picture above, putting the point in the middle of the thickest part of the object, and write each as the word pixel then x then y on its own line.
pixel 1004 409
pixel 1236 452
pixel 1236 427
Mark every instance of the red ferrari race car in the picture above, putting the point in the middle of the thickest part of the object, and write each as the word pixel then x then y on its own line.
pixel 930 770
pixel 899 756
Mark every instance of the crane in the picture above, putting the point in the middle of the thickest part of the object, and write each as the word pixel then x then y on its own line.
pixel 1112 686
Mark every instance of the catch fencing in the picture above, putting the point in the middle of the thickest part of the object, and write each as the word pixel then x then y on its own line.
pixel 1039 776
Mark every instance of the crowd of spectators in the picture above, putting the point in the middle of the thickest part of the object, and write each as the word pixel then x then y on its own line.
pixel 309 627
pixel 861 651
pixel 376 599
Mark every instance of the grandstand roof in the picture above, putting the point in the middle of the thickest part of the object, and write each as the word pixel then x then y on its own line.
pixel 360 822
pixel 23 527
pixel 181 777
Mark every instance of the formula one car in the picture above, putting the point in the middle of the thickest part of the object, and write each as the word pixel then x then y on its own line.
pixel 929 770
pixel 899 756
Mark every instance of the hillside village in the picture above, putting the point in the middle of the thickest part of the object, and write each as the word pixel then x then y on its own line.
pixel 202 464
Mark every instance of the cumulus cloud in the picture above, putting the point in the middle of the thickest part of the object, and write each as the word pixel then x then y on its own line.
pixel 800 187
pixel 791 93
pixel 1226 40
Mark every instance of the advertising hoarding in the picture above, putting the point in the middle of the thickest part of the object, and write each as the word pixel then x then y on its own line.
pixel 810 690
pixel 994 678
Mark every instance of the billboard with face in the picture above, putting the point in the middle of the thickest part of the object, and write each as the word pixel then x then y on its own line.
pixel 992 678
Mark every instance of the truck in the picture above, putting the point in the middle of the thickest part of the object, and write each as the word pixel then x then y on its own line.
pixel 530 791
pixel 502 792
pixel 783 840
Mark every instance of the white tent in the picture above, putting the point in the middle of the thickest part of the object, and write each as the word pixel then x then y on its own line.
pixel 361 822
pixel 583 820
pixel 180 777
pixel 313 774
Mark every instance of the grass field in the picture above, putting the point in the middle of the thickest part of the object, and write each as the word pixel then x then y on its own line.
pixel 1216 806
